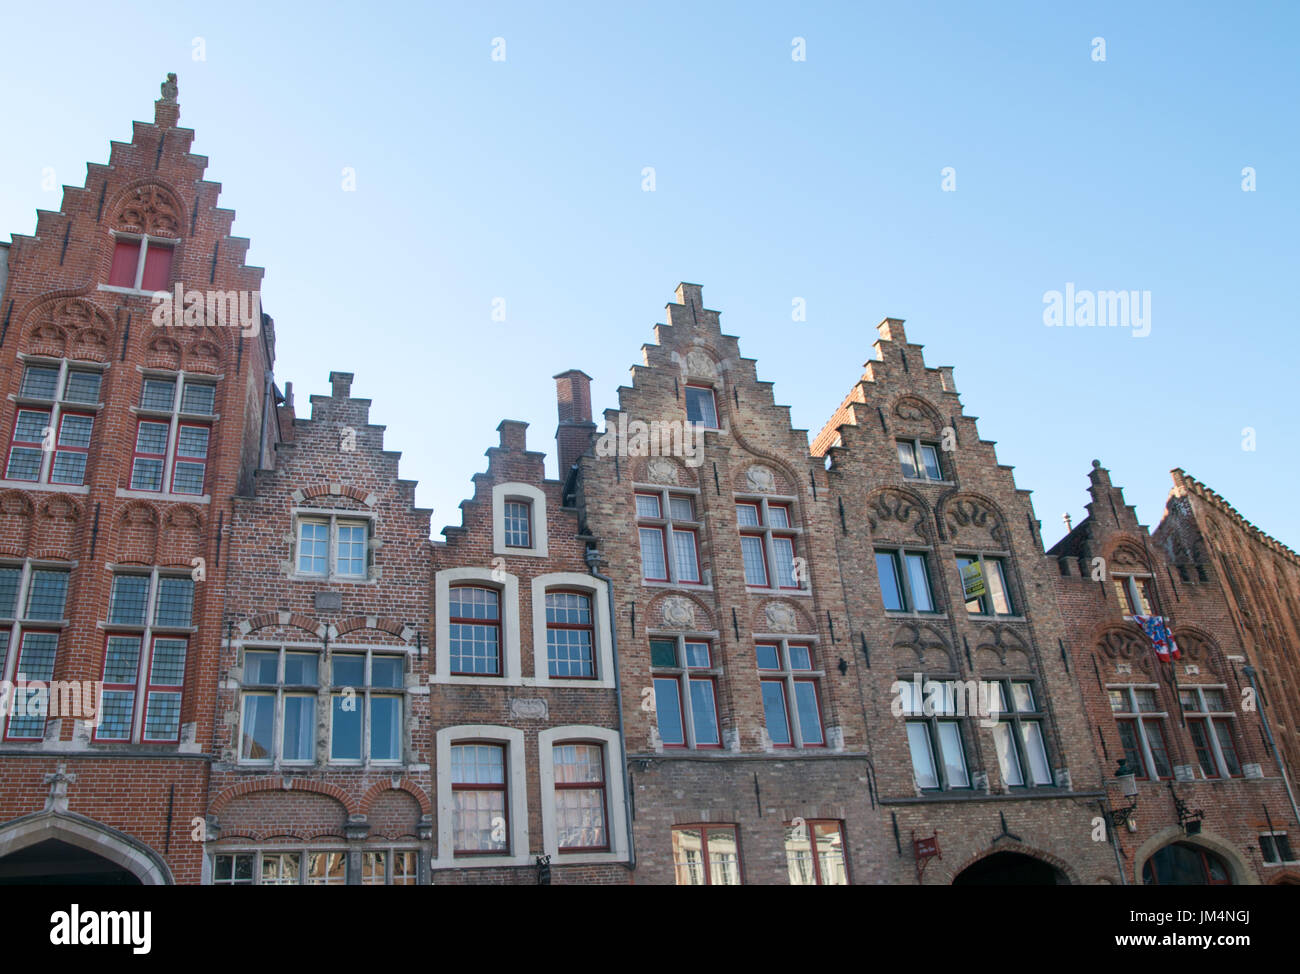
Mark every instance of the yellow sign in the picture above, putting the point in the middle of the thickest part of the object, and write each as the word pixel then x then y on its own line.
pixel 972 581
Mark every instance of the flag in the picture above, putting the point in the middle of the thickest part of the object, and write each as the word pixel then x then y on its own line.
pixel 1162 640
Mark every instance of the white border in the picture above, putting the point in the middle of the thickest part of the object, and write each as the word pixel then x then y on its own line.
pixel 500 492
pixel 508 586
pixel 516 797
pixel 604 660
pixel 615 821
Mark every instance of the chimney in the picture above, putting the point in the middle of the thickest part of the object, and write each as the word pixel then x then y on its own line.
pixel 891 330
pixel 342 385
pixel 514 435
pixel 575 431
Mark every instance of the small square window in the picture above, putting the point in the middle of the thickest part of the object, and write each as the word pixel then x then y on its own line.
pixel 158 394
pixel 83 386
pixel 518 524
pixel 39 382
pixel 701 406
pixel 198 398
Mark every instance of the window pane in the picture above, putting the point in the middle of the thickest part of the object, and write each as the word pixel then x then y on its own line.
pixel 578 764
pixel 126 258
pixel 168 665
pixel 800 657
pixel 704 713
pixel 517 519
pixel 700 407
pixel 348 670
pixel 175 602
pixel 681 508
pixel 953 759
pixel 478 764
pixel 198 397
pixel 48 592
pixel 774 712
pixel 300 669
pixel 326 868
pixel 83 386
pixel 1023 694
pixel 919 580
pixel 755 564
pixel 907 459
pixel 387 671
pixel 930 457
pixel 146 474
pixel 1227 748
pixel 9 579
pixel 768 657
pixel 158 394
pixel 1146 701
pixel 122 659
pixel 192 441
pixel 126 605
pixel 24 463
pixel 299 727
pixel 1204 753
pixel 1143 586
pixel 151 438
pixel 1159 754
pixel 724 857
pixel 688 856
pixel 647 505
pixel 157 267
pixel 351 549
pixel 385 728
pixel 778 515
pixel 1215 702
pixel 569 652
pixel 313 545
pixel 668 710
pixel 1129 742
pixel 663 652
pixel 1118 701
pixel 260 667
pixel 810 720
pixel 188 478
pixel 162 719
pixel 747 515
pixel 972 581
pixel 829 841
pixel 281 869
pixel 475 648
pixel 345 728
pixel 891 591
pixel 783 552
pixel 918 740
pixel 688 569
pixel 39 382
pixel 118 711
pixel 653 564
pixel 1036 752
pixel 697 655
pixel 259 720
pixel 1008 760
pixel 31 425
pixel 998 586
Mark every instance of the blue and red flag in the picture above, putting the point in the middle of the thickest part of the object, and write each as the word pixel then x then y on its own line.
pixel 1162 640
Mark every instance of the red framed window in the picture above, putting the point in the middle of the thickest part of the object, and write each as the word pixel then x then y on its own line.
pixel 670 549
pixel 686 677
pixel 1184 864
pixel 570 636
pixel 654 557
pixel 162 714
pixel 754 553
pixel 1204 751
pixel 126 263
pixel 518 524
pixel 153 273
pixel 26 444
pixel 707 855
pixel 150 455
pixel 190 468
pixel 474 618
pixel 72 448
pixel 480 815
pixel 814 853
pixel 580 805
pixel 121 674
pixel 1128 739
pixel 780 682
pixel 28 707
pixel 701 406
pixel 1155 732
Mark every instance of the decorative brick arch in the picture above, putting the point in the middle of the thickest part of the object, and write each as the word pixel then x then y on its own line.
pixel 148 206
pixel 279 783
pixel 283 618
pixel 406 785
pixel 68 324
pixel 383 623
pixel 1020 849
pixel 914 410
pixel 1127 551
pixel 357 494
pixel 1242 874
pixel 962 510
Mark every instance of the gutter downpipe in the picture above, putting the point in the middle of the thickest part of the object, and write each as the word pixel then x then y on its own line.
pixel 1268 731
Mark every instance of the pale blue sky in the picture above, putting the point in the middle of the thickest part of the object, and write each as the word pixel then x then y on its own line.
pixel 775 179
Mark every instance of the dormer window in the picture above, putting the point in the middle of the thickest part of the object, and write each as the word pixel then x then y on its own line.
pixel 518 516
pixel 919 460
pixel 701 406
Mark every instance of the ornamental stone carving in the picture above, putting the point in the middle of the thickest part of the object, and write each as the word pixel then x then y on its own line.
pixel 662 471
pixel 699 363
pixel 780 617
pixel 150 209
pixel 760 478
pixel 678 613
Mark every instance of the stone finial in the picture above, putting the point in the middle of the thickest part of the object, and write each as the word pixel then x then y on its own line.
pixel 169 89
pixel 1069 525
pixel 166 112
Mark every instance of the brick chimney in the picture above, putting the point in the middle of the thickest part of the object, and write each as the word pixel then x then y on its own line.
pixel 575 431
pixel 341 383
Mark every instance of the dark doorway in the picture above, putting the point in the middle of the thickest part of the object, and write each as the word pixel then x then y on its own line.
pixel 1010 869
pixel 1184 864
pixel 56 863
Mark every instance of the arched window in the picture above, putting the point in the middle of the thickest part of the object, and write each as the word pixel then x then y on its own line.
pixel 1184 864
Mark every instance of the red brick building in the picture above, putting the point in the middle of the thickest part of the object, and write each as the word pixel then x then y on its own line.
pixel 125 439
pixel 1212 805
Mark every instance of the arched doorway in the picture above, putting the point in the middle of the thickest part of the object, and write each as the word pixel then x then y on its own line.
pixel 1010 869
pixel 56 863
pixel 1184 864
pixel 64 848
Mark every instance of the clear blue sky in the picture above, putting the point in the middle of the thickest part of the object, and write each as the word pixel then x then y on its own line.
pixel 775 179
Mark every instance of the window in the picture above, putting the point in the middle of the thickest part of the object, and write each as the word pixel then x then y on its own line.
pixel 170 447
pixel 935 740
pixel 366 713
pixel 1134 593
pixel 685 684
pixel 141 262
pixel 279 705
pixel 1018 736
pixel 706 855
pixel 475 630
pixel 767 544
pixel 669 532
pixel 1141 725
pixel 333 546
pixel 518 518
pixel 984 585
pixel 701 406
pixel 49 388
pixel 570 636
pixel 32 600
pixel 1184 864
pixel 1275 848
pixel 478 788
pixel 1210 723
pixel 920 461
pixel 580 804
pixel 35 663
pixel 814 854
pixel 47 595
pixel 234 870
pixel 904 581
pixel 268 868
pixel 390 867
pixel 789 683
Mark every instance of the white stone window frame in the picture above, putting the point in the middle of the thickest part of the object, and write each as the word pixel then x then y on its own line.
pixel 765 530
pixel 302 852
pixel 918 461
pixel 788 677
pixel 1271 863
pixel 666 523
pixel 175 418
pixel 1133 712
pixel 1212 719
pixel 516 795
pixel 507 586
pixel 363 696
pixel 1004 559
pixel 57 407
pixel 535 497
pixel 602 649
pixel 145 240
pixel 615 821
pixel 333 516
pixel 1129 581
pixel 280 690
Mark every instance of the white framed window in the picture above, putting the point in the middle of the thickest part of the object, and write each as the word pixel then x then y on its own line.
pixel 390 867
pixel 904 577
pixel 669 528
pixel 571 630
pixel 1018 736
pixel 173 433
pixel 1140 721
pixel 935 740
pixel 1211 724
pixel 986 586
pixel 280 867
pixel 702 406
pixel 1134 593
pixel 367 706
pixel 769 545
pixel 278 705
pixel 791 690
pixel 1275 848
pixel 333 545
pixel 482 788
pixel 58 406
pixel 582 794
pixel 487 639
pixel 526 507
pixel 142 263
pixel 920 460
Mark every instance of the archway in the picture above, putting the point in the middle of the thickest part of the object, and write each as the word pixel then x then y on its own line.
pixel 1010 869
pixel 64 848
pixel 1184 864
